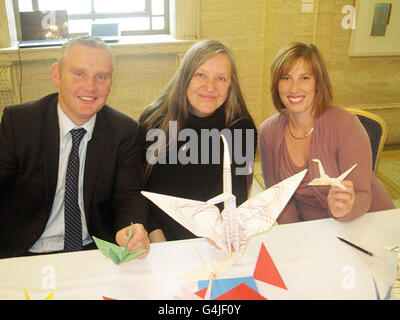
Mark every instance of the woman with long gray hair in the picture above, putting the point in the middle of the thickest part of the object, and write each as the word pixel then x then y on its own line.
pixel 180 135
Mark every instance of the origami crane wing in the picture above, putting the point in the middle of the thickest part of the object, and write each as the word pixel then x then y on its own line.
pixel 201 218
pixel 261 211
pixel 344 174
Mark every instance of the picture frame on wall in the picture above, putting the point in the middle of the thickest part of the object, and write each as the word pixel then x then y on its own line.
pixel 377 28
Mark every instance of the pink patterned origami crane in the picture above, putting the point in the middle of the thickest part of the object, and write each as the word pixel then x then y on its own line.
pixel 231 228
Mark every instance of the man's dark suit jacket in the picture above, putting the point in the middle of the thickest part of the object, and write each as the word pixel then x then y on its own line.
pixel 29 152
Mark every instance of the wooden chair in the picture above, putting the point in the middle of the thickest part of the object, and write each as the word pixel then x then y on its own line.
pixel 377 131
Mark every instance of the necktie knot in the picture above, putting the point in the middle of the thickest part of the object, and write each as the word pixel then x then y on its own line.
pixel 77 135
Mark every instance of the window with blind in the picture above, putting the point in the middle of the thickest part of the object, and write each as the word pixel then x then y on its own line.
pixel 138 17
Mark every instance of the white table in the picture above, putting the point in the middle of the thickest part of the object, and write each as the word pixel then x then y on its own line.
pixel 313 263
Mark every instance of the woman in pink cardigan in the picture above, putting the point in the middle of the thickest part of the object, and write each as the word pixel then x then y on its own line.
pixel 307 127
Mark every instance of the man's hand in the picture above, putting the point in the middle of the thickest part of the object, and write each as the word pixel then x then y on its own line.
pixel 139 241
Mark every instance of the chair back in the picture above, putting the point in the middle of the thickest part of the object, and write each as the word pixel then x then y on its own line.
pixel 377 131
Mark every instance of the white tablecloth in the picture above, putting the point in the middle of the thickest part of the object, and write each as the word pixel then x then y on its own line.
pixel 312 262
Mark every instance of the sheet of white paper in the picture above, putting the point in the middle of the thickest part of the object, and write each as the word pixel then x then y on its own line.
pixel 313 263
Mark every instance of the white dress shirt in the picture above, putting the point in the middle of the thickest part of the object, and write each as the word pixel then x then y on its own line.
pixel 52 238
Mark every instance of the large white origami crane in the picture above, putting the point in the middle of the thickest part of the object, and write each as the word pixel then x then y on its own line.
pixel 325 180
pixel 230 228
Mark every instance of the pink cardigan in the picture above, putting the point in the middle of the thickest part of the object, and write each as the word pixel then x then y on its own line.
pixel 339 140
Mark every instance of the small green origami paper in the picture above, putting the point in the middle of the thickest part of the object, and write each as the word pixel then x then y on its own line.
pixel 116 253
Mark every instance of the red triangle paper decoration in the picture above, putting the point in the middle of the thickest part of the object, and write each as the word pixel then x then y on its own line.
pixel 202 293
pixel 266 270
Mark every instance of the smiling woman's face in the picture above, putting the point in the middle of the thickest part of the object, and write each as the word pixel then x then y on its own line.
pixel 209 87
pixel 297 88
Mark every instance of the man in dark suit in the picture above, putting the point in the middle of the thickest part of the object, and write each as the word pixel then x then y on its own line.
pixel 53 199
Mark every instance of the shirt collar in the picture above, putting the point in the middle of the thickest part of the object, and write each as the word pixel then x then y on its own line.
pixel 66 125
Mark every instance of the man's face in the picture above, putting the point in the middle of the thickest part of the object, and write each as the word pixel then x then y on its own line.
pixel 84 79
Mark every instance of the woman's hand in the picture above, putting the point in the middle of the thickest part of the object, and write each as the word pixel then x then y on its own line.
pixel 341 201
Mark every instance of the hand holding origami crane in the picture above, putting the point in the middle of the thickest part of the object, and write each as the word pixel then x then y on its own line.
pixel 231 228
pixel 116 253
pixel 325 180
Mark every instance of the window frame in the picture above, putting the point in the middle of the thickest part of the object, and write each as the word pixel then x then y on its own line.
pixel 116 15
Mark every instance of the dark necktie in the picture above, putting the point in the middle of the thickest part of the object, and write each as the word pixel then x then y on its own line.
pixel 73 224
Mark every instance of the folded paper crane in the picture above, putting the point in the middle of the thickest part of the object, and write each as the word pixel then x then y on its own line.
pixel 325 180
pixel 116 253
pixel 231 228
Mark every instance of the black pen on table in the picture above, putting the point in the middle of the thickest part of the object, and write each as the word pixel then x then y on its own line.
pixel 355 246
